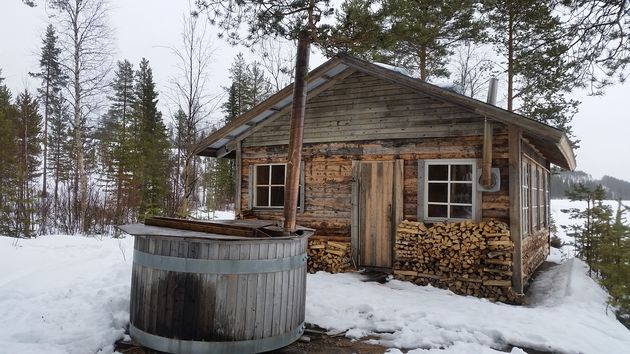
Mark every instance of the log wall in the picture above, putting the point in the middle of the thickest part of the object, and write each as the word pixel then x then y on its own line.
pixel 328 176
pixel 535 251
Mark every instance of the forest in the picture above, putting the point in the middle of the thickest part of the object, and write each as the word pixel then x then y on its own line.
pixel 90 149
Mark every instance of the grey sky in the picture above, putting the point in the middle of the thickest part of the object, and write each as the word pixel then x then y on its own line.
pixel 148 28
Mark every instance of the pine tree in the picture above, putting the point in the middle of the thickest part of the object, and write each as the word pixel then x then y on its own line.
pixel 418 35
pixel 8 147
pixel 527 34
pixel 152 144
pixel 28 124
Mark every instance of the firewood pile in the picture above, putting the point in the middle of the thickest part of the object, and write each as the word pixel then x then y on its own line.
pixel 468 258
pixel 329 256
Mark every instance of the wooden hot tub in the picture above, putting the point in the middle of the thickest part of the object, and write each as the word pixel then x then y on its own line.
pixel 198 292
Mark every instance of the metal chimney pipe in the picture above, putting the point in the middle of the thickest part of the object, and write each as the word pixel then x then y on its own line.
pixel 488 127
pixel 492 91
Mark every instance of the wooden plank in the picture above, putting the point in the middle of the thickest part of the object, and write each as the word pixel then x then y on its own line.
pixel 420 192
pixel 270 294
pixel 514 152
pixel 202 226
pixel 398 204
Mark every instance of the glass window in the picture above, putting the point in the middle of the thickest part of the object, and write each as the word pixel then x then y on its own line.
pixel 269 187
pixel 535 197
pixel 525 198
pixel 449 190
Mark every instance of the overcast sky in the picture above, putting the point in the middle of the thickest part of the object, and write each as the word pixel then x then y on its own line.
pixel 149 28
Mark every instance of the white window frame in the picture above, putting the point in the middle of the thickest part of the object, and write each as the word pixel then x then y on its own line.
pixel 473 182
pixel 525 196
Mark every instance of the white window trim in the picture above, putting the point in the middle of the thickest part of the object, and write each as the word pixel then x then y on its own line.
pixel 425 191
pixel 255 184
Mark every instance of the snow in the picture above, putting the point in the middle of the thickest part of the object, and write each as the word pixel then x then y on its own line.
pixel 565 305
pixel 63 294
pixel 70 294
pixel 397 69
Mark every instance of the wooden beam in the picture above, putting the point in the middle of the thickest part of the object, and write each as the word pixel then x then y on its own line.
pixel 354 221
pixel 515 170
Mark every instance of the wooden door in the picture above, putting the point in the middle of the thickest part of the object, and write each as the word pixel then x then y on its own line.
pixel 379 210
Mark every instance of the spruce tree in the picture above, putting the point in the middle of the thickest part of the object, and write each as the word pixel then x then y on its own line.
pixel 117 142
pixel 152 144
pixel 51 76
pixel 594 222
pixel 60 146
pixel 8 147
pixel 28 128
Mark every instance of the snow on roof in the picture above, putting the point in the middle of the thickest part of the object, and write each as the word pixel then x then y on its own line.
pixel 397 69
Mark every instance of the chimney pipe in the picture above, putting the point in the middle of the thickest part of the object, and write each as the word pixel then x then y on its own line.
pixel 486 172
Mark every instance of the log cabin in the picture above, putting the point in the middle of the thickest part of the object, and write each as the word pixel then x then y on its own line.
pixel 381 147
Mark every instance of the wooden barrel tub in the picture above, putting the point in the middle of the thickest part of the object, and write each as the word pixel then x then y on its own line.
pixel 194 292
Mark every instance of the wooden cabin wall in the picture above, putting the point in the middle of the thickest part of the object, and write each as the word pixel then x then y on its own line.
pixel 535 245
pixel 328 176
pixel 362 108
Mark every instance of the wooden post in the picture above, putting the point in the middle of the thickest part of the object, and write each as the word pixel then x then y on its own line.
pixel 237 188
pixel 298 110
pixel 514 154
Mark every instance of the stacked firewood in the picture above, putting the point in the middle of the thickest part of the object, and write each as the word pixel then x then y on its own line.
pixel 329 256
pixel 468 258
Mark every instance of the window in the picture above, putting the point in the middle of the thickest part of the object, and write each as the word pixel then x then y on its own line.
pixel 449 189
pixel 534 197
pixel 525 198
pixel 269 182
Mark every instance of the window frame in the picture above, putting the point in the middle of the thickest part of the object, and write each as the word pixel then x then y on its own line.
pixel 254 186
pixel 448 203
pixel 535 208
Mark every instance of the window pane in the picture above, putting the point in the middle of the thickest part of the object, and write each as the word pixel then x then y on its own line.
pixel 438 172
pixel 277 174
pixel 262 174
pixel 461 172
pixel 437 211
pixel 277 196
pixel 461 193
pixel 461 212
pixel 438 192
pixel 262 196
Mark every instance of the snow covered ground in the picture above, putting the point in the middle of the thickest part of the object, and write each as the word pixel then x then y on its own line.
pixel 65 294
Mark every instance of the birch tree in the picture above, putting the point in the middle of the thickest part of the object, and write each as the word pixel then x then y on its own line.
pixel 192 97
pixel 85 37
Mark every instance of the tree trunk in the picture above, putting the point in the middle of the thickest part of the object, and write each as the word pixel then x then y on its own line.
pixel 423 63
pixel 510 68
pixel 297 133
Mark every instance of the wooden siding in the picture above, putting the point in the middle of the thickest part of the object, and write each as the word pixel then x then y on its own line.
pixel 362 107
pixel 217 306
